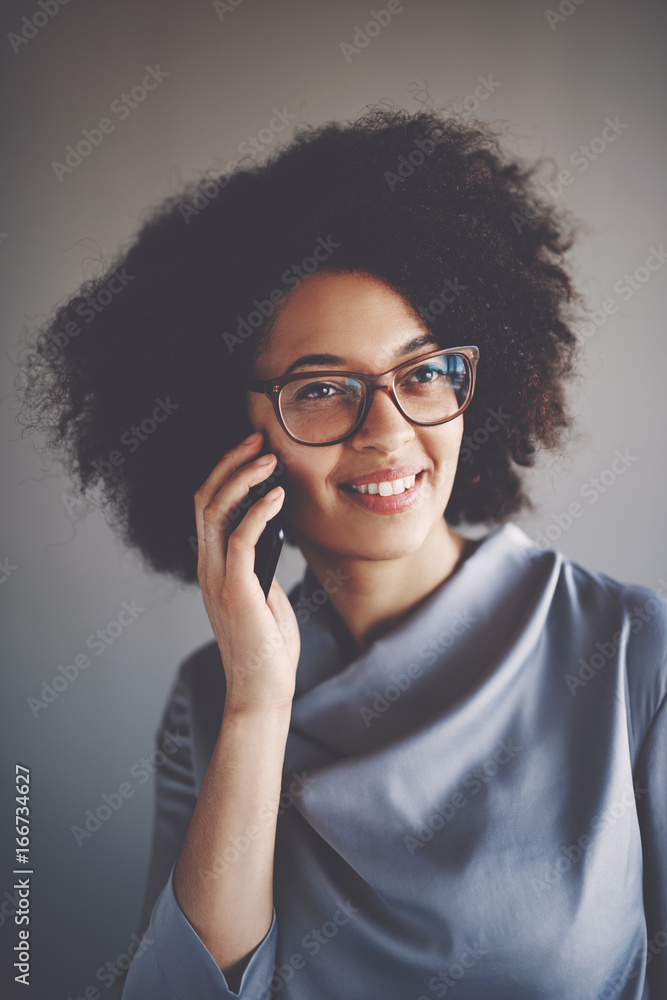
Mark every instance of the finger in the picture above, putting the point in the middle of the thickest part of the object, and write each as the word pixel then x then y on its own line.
pixel 231 461
pixel 221 516
pixel 242 541
pixel 260 476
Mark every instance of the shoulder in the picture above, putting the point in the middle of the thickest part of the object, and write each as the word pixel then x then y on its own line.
pixel 638 612
pixel 642 651
pixel 622 626
pixel 600 599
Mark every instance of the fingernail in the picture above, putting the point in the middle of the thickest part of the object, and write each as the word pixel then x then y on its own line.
pixel 264 459
pixel 251 438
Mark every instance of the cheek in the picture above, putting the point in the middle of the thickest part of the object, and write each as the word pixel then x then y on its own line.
pixel 294 461
pixel 308 478
pixel 446 446
pixel 260 413
pixel 262 418
pixel 304 478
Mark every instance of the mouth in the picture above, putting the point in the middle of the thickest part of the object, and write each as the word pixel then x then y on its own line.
pixel 387 495
pixel 390 478
pixel 386 487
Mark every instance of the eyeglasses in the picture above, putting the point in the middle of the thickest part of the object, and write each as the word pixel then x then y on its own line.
pixel 326 407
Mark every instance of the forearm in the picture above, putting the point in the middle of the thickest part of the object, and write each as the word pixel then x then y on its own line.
pixel 224 876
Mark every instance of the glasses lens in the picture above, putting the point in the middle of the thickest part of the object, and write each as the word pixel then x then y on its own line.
pixel 321 409
pixel 434 390
pixel 316 410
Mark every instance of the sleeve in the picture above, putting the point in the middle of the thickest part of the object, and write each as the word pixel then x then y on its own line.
pixel 651 791
pixel 171 960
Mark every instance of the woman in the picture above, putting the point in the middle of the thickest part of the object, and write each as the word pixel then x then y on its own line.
pixel 438 764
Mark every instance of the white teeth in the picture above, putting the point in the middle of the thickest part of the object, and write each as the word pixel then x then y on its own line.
pixel 387 487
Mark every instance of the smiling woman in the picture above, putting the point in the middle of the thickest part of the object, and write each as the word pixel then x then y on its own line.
pixel 386 785
pixel 370 437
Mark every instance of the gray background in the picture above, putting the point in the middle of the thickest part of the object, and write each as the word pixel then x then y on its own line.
pixel 557 85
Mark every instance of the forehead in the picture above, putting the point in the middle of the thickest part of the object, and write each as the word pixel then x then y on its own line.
pixel 352 315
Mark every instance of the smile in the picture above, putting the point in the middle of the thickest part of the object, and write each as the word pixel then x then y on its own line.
pixel 387 487
pixel 388 496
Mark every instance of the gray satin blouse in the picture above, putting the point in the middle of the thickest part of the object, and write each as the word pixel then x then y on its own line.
pixel 474 807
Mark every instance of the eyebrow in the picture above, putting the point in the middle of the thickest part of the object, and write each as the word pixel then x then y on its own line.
pixel 327 360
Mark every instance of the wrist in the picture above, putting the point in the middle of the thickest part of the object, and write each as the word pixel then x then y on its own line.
pixel 277 713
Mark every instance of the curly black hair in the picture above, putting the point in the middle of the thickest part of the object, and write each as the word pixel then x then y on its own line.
pixel 153 349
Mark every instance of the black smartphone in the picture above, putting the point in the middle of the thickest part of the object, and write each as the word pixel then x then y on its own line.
pixel 270 543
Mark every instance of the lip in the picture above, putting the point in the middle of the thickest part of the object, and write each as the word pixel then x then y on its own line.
pixel 385 475
pixel 388 505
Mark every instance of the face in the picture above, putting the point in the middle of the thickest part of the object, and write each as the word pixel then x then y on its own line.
pixel 368 328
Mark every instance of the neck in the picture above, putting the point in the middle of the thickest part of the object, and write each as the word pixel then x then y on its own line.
pixel 377 595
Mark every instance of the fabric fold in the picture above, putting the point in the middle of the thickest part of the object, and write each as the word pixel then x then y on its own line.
pixel 174 961
pixel 475 801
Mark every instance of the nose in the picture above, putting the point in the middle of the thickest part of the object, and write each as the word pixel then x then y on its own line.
pixel 385 428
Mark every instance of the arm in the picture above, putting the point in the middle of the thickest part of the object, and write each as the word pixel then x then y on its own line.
pixel 224 876
pixel 219 898
pixel 172 953
pixel 651 786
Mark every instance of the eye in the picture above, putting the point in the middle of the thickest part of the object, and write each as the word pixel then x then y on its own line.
pixel 426 373
pixel 318 390
pixel 344 390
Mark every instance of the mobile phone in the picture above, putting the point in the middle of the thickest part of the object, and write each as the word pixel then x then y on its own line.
pixel 270 542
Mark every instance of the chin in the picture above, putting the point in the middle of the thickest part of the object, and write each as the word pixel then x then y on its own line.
pixel 393 542
pixel 386 553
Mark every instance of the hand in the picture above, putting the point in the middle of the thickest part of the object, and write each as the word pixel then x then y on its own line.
pixel 259 640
